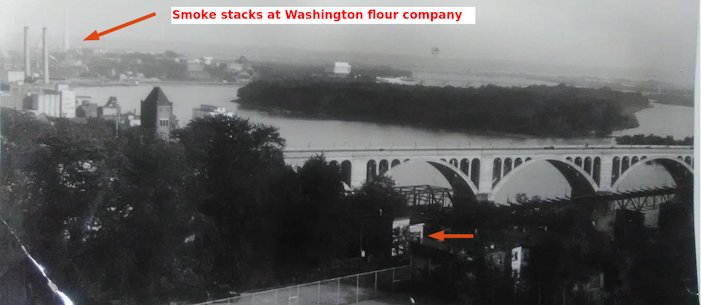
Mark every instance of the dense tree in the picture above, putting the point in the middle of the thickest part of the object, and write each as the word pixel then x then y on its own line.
pixel 641 139
pixel 106 214
pixel 313 221
pixel 538 110
pixel 237 170
pixel 374 206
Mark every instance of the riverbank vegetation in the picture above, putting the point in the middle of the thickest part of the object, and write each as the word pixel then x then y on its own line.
pixel 535 110
pixel 641 139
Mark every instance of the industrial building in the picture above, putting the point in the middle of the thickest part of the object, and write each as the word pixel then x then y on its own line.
pixel 111 110
pixel 58 102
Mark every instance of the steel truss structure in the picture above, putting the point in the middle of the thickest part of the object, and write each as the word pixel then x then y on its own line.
pixel 427 195
pixel 636 200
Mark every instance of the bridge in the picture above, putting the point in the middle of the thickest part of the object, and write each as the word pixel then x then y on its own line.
pixel 641 200
pixel 480 172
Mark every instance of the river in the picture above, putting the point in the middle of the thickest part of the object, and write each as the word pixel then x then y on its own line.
pixel 659 119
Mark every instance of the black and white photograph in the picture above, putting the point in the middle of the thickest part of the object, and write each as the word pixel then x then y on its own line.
pixel 475 152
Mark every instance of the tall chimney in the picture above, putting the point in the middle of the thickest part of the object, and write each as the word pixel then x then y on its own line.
pixel 46 56
pixel 27 67
pixel 66 42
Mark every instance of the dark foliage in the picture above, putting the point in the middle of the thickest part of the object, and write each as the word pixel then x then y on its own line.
pixel 538 110
pixel 137 219
pixel 641 139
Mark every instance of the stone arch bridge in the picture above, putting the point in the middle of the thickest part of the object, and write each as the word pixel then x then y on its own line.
pixel 481 172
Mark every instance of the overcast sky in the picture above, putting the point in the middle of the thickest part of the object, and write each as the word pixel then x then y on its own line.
pixel 654 38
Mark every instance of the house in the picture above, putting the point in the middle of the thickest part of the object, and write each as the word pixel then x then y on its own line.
pixel 519 261
pixel 239 70
pixel 133 120
pixel 87 110
pixel 340 69
pixel 195 70
pixel 207 60
pixel 497 258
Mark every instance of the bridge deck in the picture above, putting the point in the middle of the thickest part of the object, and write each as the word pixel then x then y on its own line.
pixel 665 148
pixel 623 199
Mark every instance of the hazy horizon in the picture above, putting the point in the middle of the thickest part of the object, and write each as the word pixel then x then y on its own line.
pixel 625 39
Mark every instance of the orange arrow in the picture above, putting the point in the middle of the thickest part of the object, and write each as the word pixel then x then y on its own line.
pixel 96 36
pixel 440 235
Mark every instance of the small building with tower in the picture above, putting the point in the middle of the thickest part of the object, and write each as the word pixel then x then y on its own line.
pixel 157 113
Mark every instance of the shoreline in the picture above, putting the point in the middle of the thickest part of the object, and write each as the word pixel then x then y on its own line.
pixel 488 133
pixel 98 83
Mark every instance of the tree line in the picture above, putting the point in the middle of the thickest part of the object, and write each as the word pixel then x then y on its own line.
pixel 641 139
pixel 137 219
pixel 535 110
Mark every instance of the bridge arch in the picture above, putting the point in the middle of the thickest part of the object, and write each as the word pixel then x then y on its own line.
pixel 460 183
pixel 587 165
pixel 579 180
pixel 507 166
pixel 465 166
pixel 371 170
pixel 384 166
pixel 625 164
pixel 454 162
pixel 346 170
pixel 676 167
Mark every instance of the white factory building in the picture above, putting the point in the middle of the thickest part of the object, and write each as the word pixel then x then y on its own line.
pixel 52 103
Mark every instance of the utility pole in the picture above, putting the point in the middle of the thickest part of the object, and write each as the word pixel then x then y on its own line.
pixel 563 296
pixel 588 297
pixel 362 254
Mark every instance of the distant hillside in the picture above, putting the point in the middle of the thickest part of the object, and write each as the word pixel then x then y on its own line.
pixel 674 97
pixel 536 110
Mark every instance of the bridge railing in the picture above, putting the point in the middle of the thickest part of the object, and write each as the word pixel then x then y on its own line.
pixel 469 147
pixel 336 291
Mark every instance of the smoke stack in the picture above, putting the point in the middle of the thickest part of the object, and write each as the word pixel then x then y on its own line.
pixel 46 56
pixel 27 67
pixel 66 42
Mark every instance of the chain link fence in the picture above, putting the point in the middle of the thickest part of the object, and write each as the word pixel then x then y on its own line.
pixel 341 290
